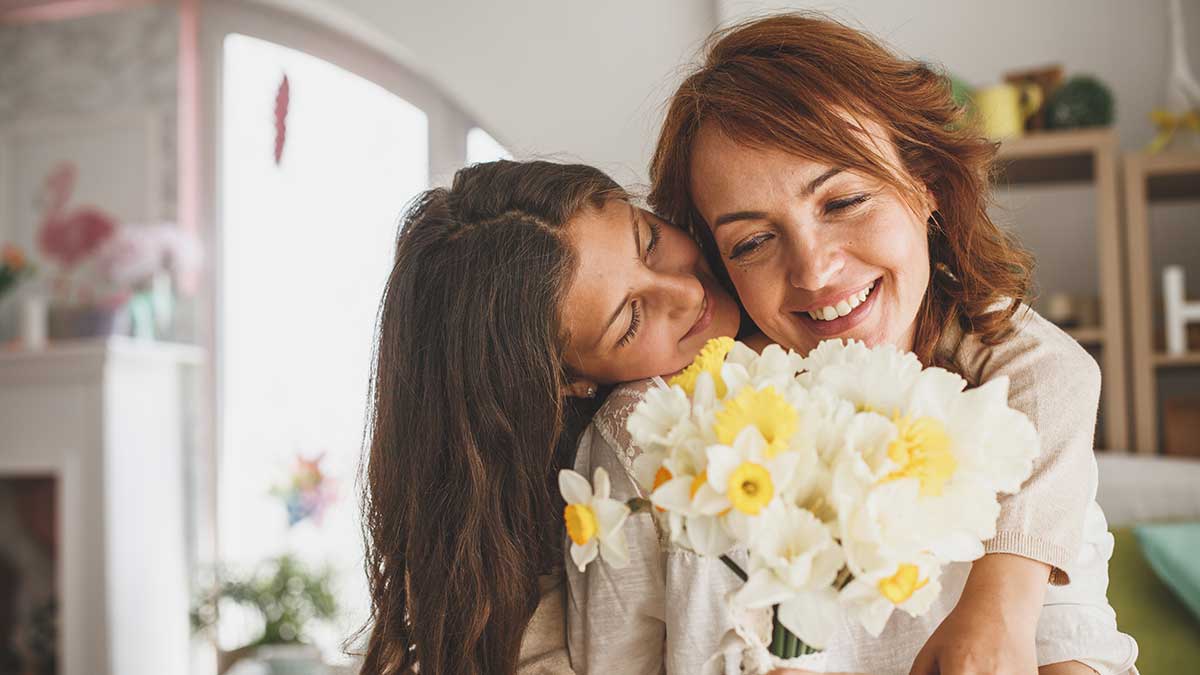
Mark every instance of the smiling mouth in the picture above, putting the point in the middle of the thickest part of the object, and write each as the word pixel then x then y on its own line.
pixel 844 306
pixel 845 315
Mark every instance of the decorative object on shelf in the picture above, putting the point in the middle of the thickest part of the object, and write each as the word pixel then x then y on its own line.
pixel 308 492
pixel 1048 79
pixel 290 597
pixel 1003 108
pixel 67 237
pixel 282 98
pixel 34 321
pixel 1181 426
pixel 1082 101
pixel 1060 310
pixel 1178 312
pixel 1071 310
pixel 14 268
pixel 1182 109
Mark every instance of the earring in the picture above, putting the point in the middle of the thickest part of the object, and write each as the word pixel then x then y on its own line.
pixel 591 392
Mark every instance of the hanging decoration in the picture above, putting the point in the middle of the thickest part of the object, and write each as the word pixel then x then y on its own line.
pixel 308 493
pixel 281 110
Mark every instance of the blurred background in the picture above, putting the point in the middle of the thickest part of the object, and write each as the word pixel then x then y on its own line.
pixel 198 200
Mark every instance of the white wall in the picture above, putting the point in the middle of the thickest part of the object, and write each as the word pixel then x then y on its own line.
pixel 1122 43
pixel 580 81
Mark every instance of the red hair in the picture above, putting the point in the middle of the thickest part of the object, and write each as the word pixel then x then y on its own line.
pixel 804 84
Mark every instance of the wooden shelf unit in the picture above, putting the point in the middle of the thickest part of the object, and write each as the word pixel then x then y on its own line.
pixel 1167 176
pixel 1086 156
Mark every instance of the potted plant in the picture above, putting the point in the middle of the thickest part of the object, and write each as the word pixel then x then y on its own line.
pixel 289 597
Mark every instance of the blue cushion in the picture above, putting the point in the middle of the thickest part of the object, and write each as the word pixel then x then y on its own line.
pixel 1173 551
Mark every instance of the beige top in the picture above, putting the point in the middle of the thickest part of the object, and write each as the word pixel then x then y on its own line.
pixel 544 645
pixel 665 611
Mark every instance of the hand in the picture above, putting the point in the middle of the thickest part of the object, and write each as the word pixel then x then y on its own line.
pixel 993 626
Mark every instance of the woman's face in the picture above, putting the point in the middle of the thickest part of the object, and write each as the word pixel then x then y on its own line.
pixel 642 301
pixel 814 252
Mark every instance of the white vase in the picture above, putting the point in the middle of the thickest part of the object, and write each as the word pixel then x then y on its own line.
pixel 33 321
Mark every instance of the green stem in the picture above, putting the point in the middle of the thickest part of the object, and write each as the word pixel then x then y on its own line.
pixel 741 574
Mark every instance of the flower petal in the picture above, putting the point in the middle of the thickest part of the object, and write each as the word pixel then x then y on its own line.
pixel 582 555
pixel 601 486
pixel 574 488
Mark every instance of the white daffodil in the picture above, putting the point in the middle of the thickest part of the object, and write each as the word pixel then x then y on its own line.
pixel 593 519
pixel 745 478
pixel 910 586
pixel 879 378
pixel 775 367
pixel 793 564
pixel 661 420
pixel 691 506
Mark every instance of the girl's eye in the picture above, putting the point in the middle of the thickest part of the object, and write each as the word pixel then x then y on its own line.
pixel 843 204
pixel 749 245
pixel 634 322
pixel 655 237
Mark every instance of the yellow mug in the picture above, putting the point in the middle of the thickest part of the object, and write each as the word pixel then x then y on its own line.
pixel 1003 108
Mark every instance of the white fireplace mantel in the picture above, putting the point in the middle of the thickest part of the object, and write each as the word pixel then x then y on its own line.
pixel 107 418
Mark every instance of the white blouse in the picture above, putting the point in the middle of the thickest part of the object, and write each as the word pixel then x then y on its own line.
pixel 666 611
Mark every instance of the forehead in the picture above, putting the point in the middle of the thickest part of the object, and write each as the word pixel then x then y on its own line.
pixel 605 256
pixel 722 164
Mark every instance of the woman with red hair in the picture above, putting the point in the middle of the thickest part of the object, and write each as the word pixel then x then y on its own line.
pixel 843 195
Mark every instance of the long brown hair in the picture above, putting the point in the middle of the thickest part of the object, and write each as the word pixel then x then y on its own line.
pixel 803 83
pixel 469 424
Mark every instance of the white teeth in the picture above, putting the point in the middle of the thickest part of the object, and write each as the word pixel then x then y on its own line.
pixel 843 307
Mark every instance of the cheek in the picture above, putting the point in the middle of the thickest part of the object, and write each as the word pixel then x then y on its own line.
pixel 760 290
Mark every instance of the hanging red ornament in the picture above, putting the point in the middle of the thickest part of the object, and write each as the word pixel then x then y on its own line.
pixel 281 111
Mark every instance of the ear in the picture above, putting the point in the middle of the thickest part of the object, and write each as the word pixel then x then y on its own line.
pixel 581 388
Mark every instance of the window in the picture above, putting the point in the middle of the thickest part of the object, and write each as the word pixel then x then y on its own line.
pixel 304 246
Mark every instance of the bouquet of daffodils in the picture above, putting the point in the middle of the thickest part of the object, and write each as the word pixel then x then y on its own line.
pixel 851 477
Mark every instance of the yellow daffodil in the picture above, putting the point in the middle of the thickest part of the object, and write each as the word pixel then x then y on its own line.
pixel 900 586
pixel 764 409
pixel 710 360
pixel 750 488
pixel 922 449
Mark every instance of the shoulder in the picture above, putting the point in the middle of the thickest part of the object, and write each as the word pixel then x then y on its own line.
pixel 1037 354
pixel 606 442
pixel 610 420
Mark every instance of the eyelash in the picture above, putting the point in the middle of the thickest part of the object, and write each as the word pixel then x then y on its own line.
pixel 636 320
pixel 655 236
pixel 752 244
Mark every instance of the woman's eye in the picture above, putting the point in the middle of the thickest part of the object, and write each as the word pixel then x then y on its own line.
pixel 843 204
pixel 634 322
pixel 655 237
pixel 749 245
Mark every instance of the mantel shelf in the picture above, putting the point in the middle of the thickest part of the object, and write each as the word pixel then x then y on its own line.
pixel 1163 360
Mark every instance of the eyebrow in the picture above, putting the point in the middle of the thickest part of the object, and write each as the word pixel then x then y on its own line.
pixel 759 215
pixel 637 240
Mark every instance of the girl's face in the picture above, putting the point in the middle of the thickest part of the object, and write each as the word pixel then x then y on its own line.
pixel 642 301
pixel 814 252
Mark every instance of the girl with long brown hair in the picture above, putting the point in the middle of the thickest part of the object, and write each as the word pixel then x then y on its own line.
pixel 518 298
pixel 841 194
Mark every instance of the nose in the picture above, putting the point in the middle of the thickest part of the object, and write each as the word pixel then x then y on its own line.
pixel 679 293
pixel 813 262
